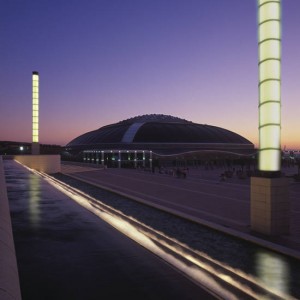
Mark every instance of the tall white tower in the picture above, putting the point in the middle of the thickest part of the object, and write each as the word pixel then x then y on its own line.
pixel 270 208
pixel 269 47
pixel 35 148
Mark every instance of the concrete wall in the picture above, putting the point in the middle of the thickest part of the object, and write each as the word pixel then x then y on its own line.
pixel 9 276
pixel 43 163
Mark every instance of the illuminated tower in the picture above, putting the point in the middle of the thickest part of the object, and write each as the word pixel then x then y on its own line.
pixel 35 113
pixel 269 47
pixel 270 210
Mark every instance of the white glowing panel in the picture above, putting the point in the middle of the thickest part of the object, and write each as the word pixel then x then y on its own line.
pixel 269 48
pixel 269 90
pixel 269 69
pixel 35 107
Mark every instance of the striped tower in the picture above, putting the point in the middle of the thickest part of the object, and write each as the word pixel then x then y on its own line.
pixel 270 208
pixel 35 148
pixel 269 49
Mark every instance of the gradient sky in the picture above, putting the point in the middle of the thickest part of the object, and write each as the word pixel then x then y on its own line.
pixel 103 61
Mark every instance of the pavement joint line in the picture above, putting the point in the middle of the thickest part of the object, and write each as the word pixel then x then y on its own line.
pixel 245 236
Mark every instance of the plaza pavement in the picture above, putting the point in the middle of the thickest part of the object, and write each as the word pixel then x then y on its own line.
pixel 202 197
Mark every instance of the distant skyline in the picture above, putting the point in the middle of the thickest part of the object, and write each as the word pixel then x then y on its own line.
pixel 101 62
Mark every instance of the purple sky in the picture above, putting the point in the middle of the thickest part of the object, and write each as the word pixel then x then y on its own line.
pixel 101 62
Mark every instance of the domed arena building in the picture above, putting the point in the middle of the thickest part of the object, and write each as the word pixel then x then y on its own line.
pixel 156 139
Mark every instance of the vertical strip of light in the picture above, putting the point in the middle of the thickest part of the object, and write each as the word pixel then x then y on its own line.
pixel 269 48
pixel 35 107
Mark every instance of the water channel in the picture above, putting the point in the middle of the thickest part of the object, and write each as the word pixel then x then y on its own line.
pixel 275 271
pixel 65 252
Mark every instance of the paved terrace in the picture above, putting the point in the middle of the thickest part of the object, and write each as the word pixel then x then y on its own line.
pixel 202 196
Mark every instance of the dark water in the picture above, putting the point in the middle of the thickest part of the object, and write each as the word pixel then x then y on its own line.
pixel 274 270
pixel 46 221
pixel 64 252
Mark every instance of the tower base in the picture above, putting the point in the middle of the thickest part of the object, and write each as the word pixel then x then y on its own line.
pixel 270 207
pixel 43 163
pixel 35 148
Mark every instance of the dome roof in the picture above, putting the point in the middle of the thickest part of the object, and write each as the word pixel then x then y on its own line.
pixel 158 128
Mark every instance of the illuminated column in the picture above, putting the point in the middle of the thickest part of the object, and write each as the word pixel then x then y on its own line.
pixel 119 159
pixel 135 159
pixel 102 157
pixel 270 208
pixel 35 113
pixel 144 159
pixel 269 44
pixel 150 159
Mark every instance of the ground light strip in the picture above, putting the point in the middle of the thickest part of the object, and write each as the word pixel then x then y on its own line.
pixel 150 241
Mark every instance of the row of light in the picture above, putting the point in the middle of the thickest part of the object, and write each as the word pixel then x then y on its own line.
pixel 114 151
pixel 97 159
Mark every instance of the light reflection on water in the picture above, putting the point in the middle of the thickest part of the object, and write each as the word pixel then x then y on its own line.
pixel 273 270
pixel 34 200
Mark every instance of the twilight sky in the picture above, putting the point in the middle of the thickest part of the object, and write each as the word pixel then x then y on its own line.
pixel 103 61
